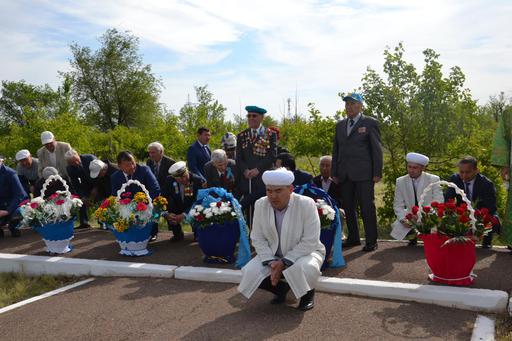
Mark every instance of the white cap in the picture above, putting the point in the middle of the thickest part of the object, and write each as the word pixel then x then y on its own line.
pixel 95 168
pixel 278 177
pixel 178 168
pixel 228 140
pixel 46 137
pixel 48 171
pixel 417 158
pixel 22 154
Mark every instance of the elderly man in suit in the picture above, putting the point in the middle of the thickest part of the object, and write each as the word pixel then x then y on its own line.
pixel 408 190
pixel 11 195
pixel 479 189
pixel 81 182
pixel 324 180
pixel 199 152
pixel 356 167
pixel 256 150
pixel 180 190
pixel 286 237
pixel 221 172
pixel 27 170
pixel 51 154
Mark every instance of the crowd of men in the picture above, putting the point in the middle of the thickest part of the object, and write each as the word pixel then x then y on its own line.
pixel 245 166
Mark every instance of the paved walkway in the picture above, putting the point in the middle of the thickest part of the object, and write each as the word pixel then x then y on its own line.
pixel 391 262
pixel 167 309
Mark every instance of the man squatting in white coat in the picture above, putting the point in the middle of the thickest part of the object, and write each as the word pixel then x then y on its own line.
pixel 286 237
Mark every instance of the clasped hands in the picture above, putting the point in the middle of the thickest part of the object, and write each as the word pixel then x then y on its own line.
pixel 251 173
pixel 175 218
pixel 276 271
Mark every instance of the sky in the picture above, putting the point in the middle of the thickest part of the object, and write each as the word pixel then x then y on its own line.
pixel 264 52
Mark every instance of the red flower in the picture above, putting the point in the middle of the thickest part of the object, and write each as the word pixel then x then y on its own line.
pixel 434 204
pixel 440 212
pixel 495 220
pixel 200 217
pixel 320 211
pixel 126 195
pixel 53 196
pixel 219 203
pixel 74 196
pixel 105 203
pixel 451 205
pixel 478 214
pixel 59 202
pixel 484 211
pixel 464 205
pixel 408 216
pixel 141 206
pixel 125 201
pixel 464 219
pixel 24 202
pixel 415 210
pixel 460 210
pixel 426 209
pixel 34 205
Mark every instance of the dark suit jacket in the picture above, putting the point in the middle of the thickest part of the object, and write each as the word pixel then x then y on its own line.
pixel 142 174
pixel 357 156
pixel 163 171
pixel 197 158
pixel 103 185
pixel 11 190
pixel 80 176
pixel 246 158
pixel 301 178
pixel 171 192
pixel 484 192
pixel 213 178
pixel 334 189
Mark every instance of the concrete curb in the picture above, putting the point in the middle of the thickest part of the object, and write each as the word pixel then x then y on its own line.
pixel 38 265
pixel 483 300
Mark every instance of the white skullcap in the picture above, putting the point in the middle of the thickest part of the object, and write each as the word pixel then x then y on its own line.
pixel 48 171
pixel 46 137
pixel 178 168
pixel 228 140
pixel 420 159
pixel 278 177
pixel 95 168
pixel 22 154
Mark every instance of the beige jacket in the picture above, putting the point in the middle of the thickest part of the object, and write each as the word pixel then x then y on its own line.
pixel 44 158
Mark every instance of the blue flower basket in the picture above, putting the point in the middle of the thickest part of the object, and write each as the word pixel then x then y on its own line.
pixel 218 241
pixel 57 236
pixel 134 240
pixel 327 238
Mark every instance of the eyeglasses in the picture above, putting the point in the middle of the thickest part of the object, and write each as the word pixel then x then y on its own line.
pixel 252 115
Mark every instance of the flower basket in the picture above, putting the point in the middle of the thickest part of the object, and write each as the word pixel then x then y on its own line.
pixel 53 218
pixel 218 241
pixel 219 223
pixel 331 226
pixel 131 219
pixel 449 233
pixel 449 263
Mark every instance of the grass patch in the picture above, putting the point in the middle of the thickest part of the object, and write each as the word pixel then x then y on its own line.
pixel 503 328
pixel 16 287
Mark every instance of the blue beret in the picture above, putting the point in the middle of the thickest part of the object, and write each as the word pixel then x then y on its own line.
pixel 253 108
pixel 354 96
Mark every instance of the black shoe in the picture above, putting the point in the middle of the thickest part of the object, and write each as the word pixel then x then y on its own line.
pixel 307 302
pixel 370 247
pixel 177 238
pixel 487 242
pixel 15 233
pixel 83 226
pixel 282 289
pixel 1 232
pixel 413 242
pixel 350 243
pixel 153 238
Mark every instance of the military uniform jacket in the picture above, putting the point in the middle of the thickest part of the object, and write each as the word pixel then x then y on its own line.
pixel 171 191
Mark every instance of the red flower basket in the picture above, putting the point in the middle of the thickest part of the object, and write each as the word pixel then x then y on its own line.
pixel 450 263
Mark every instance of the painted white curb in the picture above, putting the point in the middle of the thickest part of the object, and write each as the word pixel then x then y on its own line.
pixel 484 329
pixel 484 300
pixel 38 265
pixel 45 295
pixel 193 273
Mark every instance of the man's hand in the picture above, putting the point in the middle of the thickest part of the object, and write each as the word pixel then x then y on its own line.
pixel 376 179
pixel 254 172
pixel 276 272
pixel 335 180
pixel 247 173
pixel 405 223
pixel 3 213
pixel 175 218
pixel 505 173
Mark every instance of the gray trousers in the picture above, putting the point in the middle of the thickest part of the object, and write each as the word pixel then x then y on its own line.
pixel 354 194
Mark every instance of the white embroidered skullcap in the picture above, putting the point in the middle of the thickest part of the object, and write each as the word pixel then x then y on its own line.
pixel 278 177
pixel 418 158
pixel 178 168
pixel 22 154
pixel 46 137
pixel 95 167
pixel 48 171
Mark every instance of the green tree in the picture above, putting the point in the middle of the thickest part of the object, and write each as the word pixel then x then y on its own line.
pixel 112 85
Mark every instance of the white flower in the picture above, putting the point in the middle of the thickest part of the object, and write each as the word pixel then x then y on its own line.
pixel 199 208
pixel 216 210
pixel 208 215
pixel 233 214
pixel 192 212
pixel 213 204
pixel 38 200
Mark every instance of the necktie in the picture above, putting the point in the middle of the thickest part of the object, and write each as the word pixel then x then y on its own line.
pixel 468 191
pixel 415 195
pixel 351 123
pixel 157 166
pixel 253 133
pixel 223 179
pixel 206 150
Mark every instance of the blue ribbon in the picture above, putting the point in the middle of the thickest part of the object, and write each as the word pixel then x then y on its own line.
pixel 205 197
pixel 337 260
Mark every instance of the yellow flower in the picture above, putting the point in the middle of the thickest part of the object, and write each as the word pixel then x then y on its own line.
pixel 140 197
pixel 121 225
pixel 112 200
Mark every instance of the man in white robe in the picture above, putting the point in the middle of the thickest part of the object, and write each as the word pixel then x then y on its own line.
pixel 286 237
pixel 408 191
